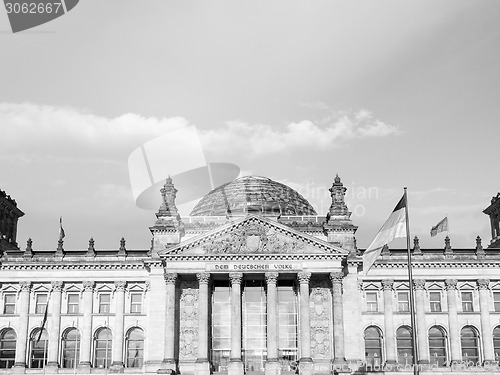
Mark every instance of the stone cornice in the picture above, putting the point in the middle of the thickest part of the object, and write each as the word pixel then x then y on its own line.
pixel 71 266
pixel 249 257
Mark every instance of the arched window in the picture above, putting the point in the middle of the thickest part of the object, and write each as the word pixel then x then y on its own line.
pixel 373 347
pixel 7 348
pixel 469 339
pixel 102 348
pixel 70 348
pixel 403 341
pixel 437 346
pixel 135 347
pixel 39 345
pixel 496 342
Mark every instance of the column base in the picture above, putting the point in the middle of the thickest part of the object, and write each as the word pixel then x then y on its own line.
pixel 202 366
pixel 168 366
pixel 235 367
pixel 272 367
pixel 19 368
pixel 306 366
pixel 116 367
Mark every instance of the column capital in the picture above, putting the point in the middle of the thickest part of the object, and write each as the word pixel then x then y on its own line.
pixel 120 285
pixel 203 277
pixel 235 277
pixel 25 286
pixel 271 277
pixel 57 286
pixel 304 277
pixel 483 284
pixel 387 284
pixel 419 284
pixel 170 277
pixel 336 278
pixel 451 284
pixel 88 286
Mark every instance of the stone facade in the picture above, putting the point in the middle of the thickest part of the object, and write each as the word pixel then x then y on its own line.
pixel 256 293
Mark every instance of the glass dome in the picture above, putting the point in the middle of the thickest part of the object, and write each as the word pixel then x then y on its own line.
pixel 253 194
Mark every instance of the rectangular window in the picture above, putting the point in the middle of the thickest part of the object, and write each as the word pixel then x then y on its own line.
pixel 371 301
pixel 496 301
pixel 104 303
pixel 73 303
pixel 467 304
pixel 9 303
pixel 41 303
pixel 435 298
pixel 403 302
pixel 136 303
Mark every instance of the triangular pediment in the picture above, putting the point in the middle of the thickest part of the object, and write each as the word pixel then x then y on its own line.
pixel 253 235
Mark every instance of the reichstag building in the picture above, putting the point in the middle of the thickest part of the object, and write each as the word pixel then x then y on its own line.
pixel 253 282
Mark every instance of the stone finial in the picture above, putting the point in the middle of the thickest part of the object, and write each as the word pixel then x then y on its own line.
pixel 304 277
pixel 416 246
pixel 271 277
pixel 450 284
pixel 385 250
pixel 123 249
pixel 337 192
pixel 168 194
pixel 60 248
pixel 29 249
pixel 447 247
pixel 91 248
pixel 387 284
pixel 479 248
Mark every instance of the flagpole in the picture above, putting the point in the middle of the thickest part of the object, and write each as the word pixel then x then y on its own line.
pixel 412 298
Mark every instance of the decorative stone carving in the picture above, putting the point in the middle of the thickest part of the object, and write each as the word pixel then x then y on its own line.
pixel 387 284
pixel 419 284
pixel 203 278
pixel 416 246
pixel 57 286
pixel 188 322
pixel 170 277
pixel 120 285
pixel 147 286
pixel 320 312
pixel 450 284
pixel 91 248
pixel 25 286
pixel 336 277
pixel 235 277
pixel 253 238
pixel 271 277
pixel 483 284
pixel 88 286
pixel 304 277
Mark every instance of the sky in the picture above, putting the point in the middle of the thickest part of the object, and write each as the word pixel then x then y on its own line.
pixel 387 94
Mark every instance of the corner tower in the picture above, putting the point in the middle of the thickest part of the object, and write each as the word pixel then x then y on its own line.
pixel 338 227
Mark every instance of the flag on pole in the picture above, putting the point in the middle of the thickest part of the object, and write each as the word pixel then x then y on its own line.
pixel 61 230
pixel 394 227
pixel 440 227
pixel 44 321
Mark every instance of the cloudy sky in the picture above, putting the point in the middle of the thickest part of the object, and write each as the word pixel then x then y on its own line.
pixel 385 93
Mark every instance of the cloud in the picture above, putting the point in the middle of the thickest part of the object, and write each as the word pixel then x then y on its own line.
pixel 262 139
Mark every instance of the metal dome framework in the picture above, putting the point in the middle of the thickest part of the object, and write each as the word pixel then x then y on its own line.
pixel 253 195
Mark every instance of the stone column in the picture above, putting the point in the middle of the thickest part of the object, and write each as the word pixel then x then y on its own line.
pixel 169 357
pixel 55 323
pixel 487 338
pixel 235 366
pixel 118 337
pixel 390 339
pixel 422 340
pixel 272 364
pixel 338 319
pixel 451 295
pixel 86 342
pixel 22 333
pixel 305 363
pixel 202 364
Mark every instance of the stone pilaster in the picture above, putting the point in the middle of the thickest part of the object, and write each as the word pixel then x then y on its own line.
pixel 338 318
pixel 235 366
pixel 169 356
pixel 390 339
pixel 272 364
pixel 422 340
pixel 486 336
pixel 86 344
pixel 202 363
pixel 117 353
pixel 451 296
pixel 22 333
pixel 305 363
pixel 55 323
